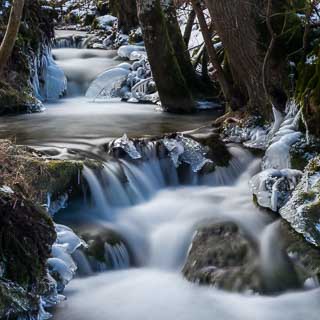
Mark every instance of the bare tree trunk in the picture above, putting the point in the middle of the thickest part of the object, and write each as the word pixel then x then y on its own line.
pixel 189 26
pixel 10 36
pixel 179 47
pixel 237 23
pixel 225 84
pixel 126 12
pixel 172 87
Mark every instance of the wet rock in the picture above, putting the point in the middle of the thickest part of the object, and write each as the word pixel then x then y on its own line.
pixel 222 256
pixel 106 249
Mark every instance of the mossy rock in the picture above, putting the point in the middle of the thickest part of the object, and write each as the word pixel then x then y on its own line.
pixel 26 236
pixel 16 302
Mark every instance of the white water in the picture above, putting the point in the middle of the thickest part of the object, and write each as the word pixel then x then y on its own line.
pixel 157 218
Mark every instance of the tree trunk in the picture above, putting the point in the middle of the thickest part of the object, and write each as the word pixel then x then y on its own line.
pixel 172 87
pixel 180 50
pixel 126 12
pixel 10 36
pixel 189 26
pixel 226 86
pixel 238 23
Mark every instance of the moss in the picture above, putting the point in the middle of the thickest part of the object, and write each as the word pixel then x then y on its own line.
pixel 26 236
pixel 15 301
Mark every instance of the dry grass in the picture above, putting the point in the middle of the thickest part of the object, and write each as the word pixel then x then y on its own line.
pixel 20 167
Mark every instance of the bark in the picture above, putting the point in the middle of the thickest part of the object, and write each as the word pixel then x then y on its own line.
pixel 172 87
pixel 180 49
pixel 189 26
pixel 237 23
pixel 225 84
pixel 126 12
pixel 11 34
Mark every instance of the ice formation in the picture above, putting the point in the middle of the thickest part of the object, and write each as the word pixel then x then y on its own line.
pixel 106 22
pixel 48 79
pixel 127 50
pixel 277 155
pixel 61 262
pixel 186 150
pixel 273 187
pixel 127 146
pixel 106 84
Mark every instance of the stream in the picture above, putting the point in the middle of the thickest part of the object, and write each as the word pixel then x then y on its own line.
pixel 154 209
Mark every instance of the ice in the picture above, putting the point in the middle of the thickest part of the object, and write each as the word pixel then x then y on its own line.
pixel 125 51
pixel 128 146
pixel 107 83
pixel 67 238
pixel 106 21
pixel 138 55
pixel 48 80
pixel 273 187
pixel 6 189
pixel 183 149
pixel 60 252
pixel 59 266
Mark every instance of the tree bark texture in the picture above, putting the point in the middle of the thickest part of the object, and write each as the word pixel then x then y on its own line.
pixel 238 23
pixel 11 34
pixel 172 87
pixel 178 44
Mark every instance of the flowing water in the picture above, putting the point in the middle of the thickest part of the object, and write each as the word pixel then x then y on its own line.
pixel 152 205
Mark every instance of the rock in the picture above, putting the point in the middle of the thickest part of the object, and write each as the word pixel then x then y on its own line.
pixel 222 256
pixel 27 234
pixel 303 209
pixel 106 249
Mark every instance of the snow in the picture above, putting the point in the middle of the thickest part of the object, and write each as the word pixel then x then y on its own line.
pixel 127 50
pixel 106 21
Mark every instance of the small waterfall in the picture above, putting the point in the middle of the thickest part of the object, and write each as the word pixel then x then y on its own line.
pixel 126 182
pixel 71 41
pixel 276 267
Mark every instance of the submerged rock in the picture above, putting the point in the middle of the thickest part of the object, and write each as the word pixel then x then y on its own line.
pixel 106 250
pixel 224 256
pixel 220 255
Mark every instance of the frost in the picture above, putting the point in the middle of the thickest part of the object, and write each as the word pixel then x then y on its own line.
pixel 128 146
pixel 303 209
pixel 186 150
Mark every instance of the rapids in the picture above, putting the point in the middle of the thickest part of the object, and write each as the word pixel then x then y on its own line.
pixel 154 208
